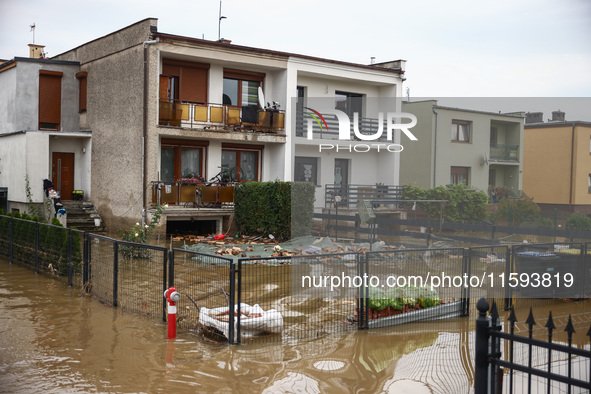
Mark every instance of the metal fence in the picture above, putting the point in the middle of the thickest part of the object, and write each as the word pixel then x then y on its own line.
pixel 506 361
pixel 130 275
pixel 46 248
pixel 289 297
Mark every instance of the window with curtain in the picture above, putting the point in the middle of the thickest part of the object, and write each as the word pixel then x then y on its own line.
pixel 181 158
pixel 247 160
pixel 460 131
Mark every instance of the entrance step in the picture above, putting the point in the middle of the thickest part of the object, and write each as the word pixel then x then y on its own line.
pixel 84 216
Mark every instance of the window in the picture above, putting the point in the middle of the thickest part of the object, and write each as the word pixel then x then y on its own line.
pixel 183 81
pixel 50 99
pixel 306 170
pixel 81 76
pixel 589 185
pixel 492 175
pixel 349 103
pixel 241 88
pixel 180 158
pixel 460 176
pixel 244 156
pixel 460 131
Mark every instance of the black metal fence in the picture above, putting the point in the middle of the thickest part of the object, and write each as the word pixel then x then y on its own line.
pixel 54 250
pixel 294 296
pixel 125 274
pixel 506 361
pixel 423 232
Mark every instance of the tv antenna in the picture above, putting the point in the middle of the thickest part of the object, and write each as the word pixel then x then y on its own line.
pixel 33 30
pixel 220 22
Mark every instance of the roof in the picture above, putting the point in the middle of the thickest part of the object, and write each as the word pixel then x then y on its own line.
pixel 273 52
pixel 32 60
pixel 558 124
pixel 516 115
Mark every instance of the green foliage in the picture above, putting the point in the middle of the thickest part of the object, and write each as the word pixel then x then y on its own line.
pixel 579 222
pixel 33 210
pixel 517 211
pixel 398 297
pixel 545 223
pixel 499 193
pixel 140 234
pixel 263 208
pixel 463 205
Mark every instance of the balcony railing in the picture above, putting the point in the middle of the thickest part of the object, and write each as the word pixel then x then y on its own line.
pixel 187 195
pixel 350 195
pixel 502 152
pixel 220 117
pixel 367 126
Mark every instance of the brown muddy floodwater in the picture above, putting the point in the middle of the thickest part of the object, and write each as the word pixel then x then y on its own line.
pixel 53 339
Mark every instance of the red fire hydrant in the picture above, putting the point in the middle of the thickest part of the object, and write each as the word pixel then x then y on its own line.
pixel 172 297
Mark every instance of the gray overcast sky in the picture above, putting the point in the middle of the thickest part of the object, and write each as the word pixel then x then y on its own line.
pixel 517 48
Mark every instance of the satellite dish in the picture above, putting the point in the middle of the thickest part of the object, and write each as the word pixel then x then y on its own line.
pixel 261 98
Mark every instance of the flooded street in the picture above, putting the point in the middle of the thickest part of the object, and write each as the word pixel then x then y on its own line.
pixel 54 339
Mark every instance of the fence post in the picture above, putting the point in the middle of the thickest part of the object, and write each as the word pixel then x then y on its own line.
pixel 492 231
pixel 36 247
pixel 170 268
pixel 164 286
pixel 481 377
pixel 115 271
pixel 85 253
pixel 508 289
pixel 466 269
pixel 231 303
pixel 11 239
pixel 70 246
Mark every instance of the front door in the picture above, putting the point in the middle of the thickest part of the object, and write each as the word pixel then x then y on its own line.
pixel 341 178
pixel 62 174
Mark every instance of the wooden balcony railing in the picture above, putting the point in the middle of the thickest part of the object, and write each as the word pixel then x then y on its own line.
pixel 186 195
pixel 218 116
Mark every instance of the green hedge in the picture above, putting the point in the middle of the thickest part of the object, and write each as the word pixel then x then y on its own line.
pixel 463 205
pixel 263 208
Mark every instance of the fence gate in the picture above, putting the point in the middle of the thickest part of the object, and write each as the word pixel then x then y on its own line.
pixel 508 362
pixel 129 275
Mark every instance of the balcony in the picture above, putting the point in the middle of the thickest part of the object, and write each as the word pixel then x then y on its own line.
pixel 186 195
pixel 330 131
pixel 218 117
pixel 502 152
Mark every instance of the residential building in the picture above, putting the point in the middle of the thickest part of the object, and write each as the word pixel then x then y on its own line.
pixel 476 148
pixel 162 107
pixel 41 132
pixel 557 163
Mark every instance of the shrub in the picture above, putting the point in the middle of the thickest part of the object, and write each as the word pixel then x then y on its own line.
pixel 579 222
pixel 463 204
pixel 263 208
pixel 517 211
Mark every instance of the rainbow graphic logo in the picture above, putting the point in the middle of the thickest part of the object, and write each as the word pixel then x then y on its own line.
pixel 317 116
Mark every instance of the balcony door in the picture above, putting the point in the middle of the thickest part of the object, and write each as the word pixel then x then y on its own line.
pixel 62 174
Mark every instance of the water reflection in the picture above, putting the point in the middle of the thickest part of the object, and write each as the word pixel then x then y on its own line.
pixel 53 339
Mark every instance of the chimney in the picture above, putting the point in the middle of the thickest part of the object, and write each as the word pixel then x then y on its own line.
pixel 534 117
pixel 558 116
pixel 36 51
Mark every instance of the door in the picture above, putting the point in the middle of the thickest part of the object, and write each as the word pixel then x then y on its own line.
pixel 341 178
pixel 62 174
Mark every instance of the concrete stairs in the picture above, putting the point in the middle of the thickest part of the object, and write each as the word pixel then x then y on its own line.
pixel 82 215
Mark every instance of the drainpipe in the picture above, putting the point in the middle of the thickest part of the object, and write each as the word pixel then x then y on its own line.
pixel 572 159
pixel 145 129
pixel 435 149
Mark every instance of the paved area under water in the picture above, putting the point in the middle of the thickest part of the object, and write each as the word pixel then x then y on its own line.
pixel 54 339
